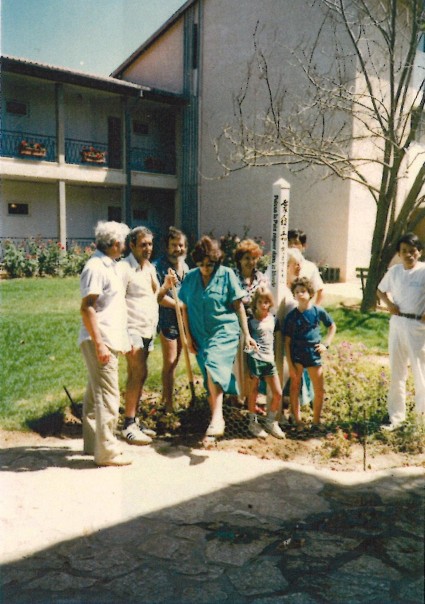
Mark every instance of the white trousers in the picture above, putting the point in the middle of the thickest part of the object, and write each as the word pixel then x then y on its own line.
pixel 101 405
pixel 406 345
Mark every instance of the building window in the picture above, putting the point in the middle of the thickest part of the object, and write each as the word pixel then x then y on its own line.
pixel 18 209
pixel 114 213
pixel 140 128
pixel 17 108
pixel 140 214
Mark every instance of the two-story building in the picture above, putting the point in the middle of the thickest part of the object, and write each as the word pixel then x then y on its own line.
pixel 138 146
pixel 206 51
pixel 77 148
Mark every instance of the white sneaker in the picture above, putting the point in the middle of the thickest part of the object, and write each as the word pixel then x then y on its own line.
pixel 135 436
pixel 144 429
pixel 256 429
pixel 119 460
pixel 274 429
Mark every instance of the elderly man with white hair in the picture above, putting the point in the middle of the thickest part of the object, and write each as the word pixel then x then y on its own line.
pixel 103 336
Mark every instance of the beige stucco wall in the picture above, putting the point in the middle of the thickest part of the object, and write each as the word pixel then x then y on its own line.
pixel 161 66
pixel 321 208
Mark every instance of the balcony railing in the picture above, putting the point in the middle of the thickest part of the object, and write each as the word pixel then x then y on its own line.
pixel 83 152
pixel 152 159
pixel 27 145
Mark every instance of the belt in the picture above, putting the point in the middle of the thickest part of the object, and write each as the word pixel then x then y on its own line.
pixel 409 315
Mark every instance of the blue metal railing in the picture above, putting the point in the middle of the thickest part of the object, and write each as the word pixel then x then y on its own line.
pixel 22 145
pixel 86 153
pixel 153 159
pixel 83 152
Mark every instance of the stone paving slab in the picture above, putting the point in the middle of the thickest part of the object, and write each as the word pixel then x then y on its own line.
pixel 194 526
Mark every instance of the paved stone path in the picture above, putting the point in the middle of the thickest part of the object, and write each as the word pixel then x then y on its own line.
pixel 189 526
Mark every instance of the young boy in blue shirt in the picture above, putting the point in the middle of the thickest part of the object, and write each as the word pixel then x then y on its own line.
pixel 304 349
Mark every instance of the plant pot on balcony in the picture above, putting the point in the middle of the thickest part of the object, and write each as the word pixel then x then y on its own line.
pixel 93 156
pixel 32 149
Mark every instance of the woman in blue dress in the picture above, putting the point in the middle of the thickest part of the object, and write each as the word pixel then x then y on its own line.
pixel 213 315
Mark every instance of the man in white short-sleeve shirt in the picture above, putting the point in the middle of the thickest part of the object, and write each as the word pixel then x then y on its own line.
pixel 103 336
pixel 142 295
pixel 298 239
pixel 402 289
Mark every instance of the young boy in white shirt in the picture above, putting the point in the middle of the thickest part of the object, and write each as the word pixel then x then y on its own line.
pixel 402 289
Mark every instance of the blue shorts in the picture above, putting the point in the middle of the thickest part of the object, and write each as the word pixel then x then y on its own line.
pixel 261 369
pixel 170 333
pixel 306 355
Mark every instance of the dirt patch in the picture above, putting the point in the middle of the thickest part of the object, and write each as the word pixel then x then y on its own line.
pixel 325 451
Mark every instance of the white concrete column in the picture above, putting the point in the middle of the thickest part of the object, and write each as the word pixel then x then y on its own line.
pixel 62 213
pixel 60 124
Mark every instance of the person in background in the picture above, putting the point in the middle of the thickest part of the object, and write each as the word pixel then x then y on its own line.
pixel 142 295
pixel 103 336
pixel 173 258
pixel 298 239
pixel 261 363
pixel 402 290
pixel 246 256
pixel 304 349
pixel 213 315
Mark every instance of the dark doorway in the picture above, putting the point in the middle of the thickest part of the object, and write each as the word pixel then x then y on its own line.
pixel 114 142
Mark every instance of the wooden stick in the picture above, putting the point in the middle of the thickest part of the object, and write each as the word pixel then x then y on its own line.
pixel 184 343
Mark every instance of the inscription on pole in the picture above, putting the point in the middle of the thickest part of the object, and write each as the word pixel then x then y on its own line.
pixel 279 238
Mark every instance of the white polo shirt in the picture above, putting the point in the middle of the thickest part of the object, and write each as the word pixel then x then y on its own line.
pixel 311 272
pixel 100 278
pixel 141 290
pixel 407 287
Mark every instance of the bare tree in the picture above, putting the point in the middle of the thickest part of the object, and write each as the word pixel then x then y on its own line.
pixel 362 108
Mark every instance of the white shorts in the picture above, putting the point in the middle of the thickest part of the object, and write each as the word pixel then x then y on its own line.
pixel 138 341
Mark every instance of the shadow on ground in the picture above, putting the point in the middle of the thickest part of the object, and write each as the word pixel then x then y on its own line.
pixel 287 536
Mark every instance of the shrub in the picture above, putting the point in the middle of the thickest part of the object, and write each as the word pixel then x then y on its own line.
pixel 18 262
pixel 75 259
pixel 229 243
pixel 35 257
pixel 50 257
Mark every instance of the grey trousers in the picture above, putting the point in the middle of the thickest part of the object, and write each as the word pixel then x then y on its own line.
pixel 101 405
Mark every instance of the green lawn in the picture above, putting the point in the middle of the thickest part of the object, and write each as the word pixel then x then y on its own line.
pixel 40 321
pixel 39 328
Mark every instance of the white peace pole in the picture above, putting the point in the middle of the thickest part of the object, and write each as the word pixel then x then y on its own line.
pixel 279 249
pixel 279 239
